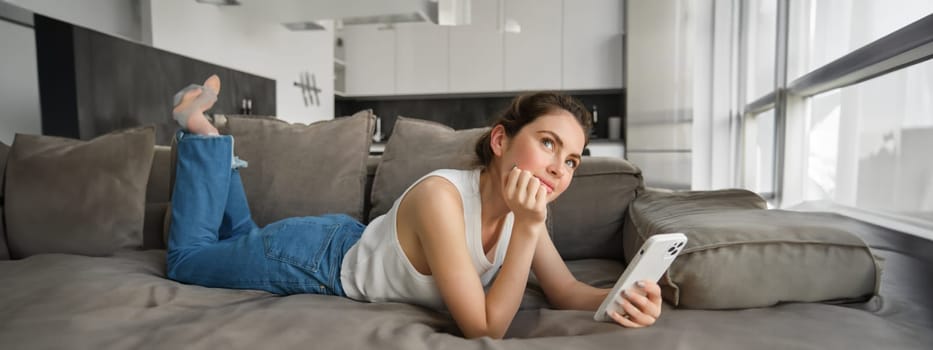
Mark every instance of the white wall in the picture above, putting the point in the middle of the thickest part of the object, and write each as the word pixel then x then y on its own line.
pixel 19 82
pixel 223 36
pixel 115 17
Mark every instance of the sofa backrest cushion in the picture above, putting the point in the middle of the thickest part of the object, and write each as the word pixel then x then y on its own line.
pixel 157 197
pixel 302 170
pixel 4 252
pixel 79 197
pixel 585 222
pixel 4 152
pixel 415 148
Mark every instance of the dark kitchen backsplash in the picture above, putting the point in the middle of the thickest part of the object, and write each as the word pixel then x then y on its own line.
pixel 465 112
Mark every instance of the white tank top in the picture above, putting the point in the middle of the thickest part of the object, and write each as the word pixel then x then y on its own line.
pixel 376 269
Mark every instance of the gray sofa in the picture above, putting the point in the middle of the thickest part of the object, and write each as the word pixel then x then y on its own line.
pixel 62 297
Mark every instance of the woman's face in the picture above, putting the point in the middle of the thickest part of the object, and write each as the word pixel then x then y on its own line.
pixel 549 147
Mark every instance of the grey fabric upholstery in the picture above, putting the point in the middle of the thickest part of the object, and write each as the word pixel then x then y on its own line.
pixel 125 301
pixel 157 197
pixel 301 170
pixel 81 197
pixel 4 152
pixel 740 255
pixel 371 164
pixel 418 147
pixel 4 251
pixel 586 221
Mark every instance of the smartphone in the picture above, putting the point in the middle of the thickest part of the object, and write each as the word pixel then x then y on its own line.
pixel 650 263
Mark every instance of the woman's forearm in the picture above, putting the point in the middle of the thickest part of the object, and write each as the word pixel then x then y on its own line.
pixel 582 296
pixel 505 294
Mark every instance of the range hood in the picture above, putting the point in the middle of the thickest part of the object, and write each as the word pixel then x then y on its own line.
pixel 306 14
pixel 440 12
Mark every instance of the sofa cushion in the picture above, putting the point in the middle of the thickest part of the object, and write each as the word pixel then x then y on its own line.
pixel 78 197
pixel 158 192
pixel 302 170
pixel 418 147
pixel 586 221
pixel 4 252
pixel 4 152
pixel 741 255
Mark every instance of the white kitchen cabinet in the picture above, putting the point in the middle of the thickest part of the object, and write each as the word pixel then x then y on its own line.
pixel 592 44
pixel 476 51
pixel 421 59
pixel 533 56
pixel 562 45
pixel 370 60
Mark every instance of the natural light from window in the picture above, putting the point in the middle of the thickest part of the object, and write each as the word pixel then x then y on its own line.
pixel 824 30
pixel 870 145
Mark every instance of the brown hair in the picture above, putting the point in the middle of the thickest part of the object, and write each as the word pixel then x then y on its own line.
pixel 524 110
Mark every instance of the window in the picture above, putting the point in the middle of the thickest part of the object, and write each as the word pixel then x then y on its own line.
pixel 759 153
pixel 824 30
pixel 853 130
pixel 760 44
pixel 869 144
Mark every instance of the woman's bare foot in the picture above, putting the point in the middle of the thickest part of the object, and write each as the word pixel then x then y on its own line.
pixel 213 83
pixel 189 109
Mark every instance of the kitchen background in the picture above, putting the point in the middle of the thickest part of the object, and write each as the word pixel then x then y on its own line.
pixel 332 58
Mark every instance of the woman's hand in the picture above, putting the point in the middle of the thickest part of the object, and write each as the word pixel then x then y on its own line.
pixel 641 305
pixel 525 196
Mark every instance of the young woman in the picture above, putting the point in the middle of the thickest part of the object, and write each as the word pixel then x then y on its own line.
pixel 457 240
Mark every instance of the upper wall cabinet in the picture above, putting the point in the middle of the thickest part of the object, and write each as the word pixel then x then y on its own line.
pixel 421 59
pixel 592 44
pixel 561 45
pixel 533 56
pixel 476 51
pixel 370 60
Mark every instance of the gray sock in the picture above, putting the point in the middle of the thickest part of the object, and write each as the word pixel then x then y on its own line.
pixel 207 97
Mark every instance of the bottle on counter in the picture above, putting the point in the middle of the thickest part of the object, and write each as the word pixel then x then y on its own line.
pixel 377 137
pixel 595 120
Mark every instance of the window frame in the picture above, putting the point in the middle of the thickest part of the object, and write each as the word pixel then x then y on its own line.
pixel 905 47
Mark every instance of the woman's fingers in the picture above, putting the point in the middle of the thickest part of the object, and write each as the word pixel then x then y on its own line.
pixel 525 194
pixel 541 198
pixel 653 291
pixel 636 314
pixel 522 189
pixel 533 185
pixel 624 320
pixel 512 182
pixel 643 304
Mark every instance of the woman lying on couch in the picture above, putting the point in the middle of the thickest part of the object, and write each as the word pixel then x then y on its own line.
pixel 440 246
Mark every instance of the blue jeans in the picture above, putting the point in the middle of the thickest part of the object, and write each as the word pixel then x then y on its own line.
pixel 213 241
